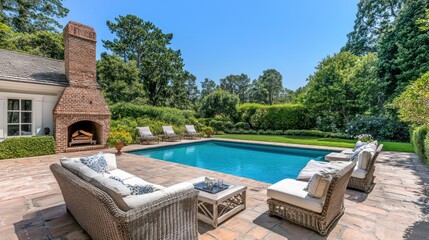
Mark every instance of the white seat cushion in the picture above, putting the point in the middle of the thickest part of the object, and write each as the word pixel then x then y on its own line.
pixel 348 151
pixel 134 201
pixel 359 173
pixel 120 174
pixel 314 166
pixel 138 181
pixel 292 191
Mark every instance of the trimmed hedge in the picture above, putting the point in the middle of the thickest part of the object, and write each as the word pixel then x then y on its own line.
pixel 307 133
pixel 165 114
pixel 19 147
pixel 426 149
pixel 277 117
pixel 316 133
pixel 418 140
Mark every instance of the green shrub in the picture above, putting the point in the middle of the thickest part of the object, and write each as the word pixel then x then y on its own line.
pixel 278 117
pixel 380 127
pixel 119 136
pixel 418 141
pixel 19 147
pixel 165 114
pixel 247 110
pixel 426 150
pixel 130 125
pixel 228 125
pixel 242 125
pixel 316 133
pixel 279 132
pixel 208 131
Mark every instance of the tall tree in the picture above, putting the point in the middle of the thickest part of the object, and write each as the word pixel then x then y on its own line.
pixel 119 80
pixel 160 66
pixel 41 43
pixel 236 84
pixel 258 93
pixel 404 49
pixel 184 92
pixel 207 87
pixel 374 17
pixel 220 102
pixel 30 16
pixel 330 94
pixel 271 80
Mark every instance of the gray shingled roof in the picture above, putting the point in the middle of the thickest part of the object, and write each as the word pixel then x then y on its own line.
pixel 21 67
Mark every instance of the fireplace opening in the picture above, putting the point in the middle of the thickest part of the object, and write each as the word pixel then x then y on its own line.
pixel 84 133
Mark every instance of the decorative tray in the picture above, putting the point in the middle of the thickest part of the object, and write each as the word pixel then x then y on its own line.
pixel 200 186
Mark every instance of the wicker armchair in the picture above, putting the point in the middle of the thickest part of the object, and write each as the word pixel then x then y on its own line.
pixel 173 217
pixel 332 209
pixel 367 183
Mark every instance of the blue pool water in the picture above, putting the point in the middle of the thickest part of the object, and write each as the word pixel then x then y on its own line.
pixel 259 162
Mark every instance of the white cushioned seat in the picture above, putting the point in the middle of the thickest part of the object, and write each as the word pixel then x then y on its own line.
pixel 348 152
pixel 359 173
pixel 138 181
pixel 314 166
pixel 134 201
pixel 120 174
pixel 292 192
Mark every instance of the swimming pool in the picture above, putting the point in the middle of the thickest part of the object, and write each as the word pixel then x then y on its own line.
pixel 264 163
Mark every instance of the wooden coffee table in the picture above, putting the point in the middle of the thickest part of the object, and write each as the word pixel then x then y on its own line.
pixel 218 207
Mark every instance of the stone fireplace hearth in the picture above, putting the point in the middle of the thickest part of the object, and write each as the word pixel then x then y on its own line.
pixel 81 105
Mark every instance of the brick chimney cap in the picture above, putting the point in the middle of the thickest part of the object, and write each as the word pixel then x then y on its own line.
pixel 79 30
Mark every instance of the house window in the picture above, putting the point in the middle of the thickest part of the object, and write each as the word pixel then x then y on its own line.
pixel 19 117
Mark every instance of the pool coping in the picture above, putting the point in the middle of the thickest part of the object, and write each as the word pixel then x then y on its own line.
pixel 137 147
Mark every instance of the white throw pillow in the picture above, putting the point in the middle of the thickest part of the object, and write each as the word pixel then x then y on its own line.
pixel 318 185
pixel 364 158
pixel 359 144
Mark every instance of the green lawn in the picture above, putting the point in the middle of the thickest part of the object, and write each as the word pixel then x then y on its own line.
pixel 330 142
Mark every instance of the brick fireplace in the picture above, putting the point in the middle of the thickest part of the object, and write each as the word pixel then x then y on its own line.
pixel 81 105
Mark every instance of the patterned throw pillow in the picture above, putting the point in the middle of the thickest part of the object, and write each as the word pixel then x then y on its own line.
pixel 96 163
pixel 136 189
pixel 140 189
pixel 117 179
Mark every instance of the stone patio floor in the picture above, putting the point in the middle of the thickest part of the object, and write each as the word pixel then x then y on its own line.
pixel 31 204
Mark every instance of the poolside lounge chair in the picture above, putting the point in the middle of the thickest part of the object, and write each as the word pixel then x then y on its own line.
pixel 289 200
pixel 191 132
pixel 169 134
pixel 363 179
pixel 146 135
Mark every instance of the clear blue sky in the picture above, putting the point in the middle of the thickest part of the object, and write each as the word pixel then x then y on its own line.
pixel 223 37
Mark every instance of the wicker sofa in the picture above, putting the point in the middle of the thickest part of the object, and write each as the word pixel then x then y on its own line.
pixel 289 200
pixel 105 213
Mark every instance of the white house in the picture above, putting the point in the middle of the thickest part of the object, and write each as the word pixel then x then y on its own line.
pixel 30 87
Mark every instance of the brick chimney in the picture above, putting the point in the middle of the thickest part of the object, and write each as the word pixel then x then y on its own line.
pixel 79 55
pixel 81 105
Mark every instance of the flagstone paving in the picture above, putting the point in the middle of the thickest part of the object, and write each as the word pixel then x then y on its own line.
pixel 32 207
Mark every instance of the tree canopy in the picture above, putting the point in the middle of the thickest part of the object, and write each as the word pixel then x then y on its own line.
pixel 161 67
pixel 221 103
pixel 236 84
pixel 413 103
pixel 373 19
pixel 30 16
pixel 404 49
pixel 119 80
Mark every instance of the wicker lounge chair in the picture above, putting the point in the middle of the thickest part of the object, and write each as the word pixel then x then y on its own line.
pixel 364 180
pixel 166 214
pixel 191 132
pixel 320 215
pixel 169 134
pixel 146 135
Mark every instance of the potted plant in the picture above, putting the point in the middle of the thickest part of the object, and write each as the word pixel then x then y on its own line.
pixel 208 131
pixel 119 139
